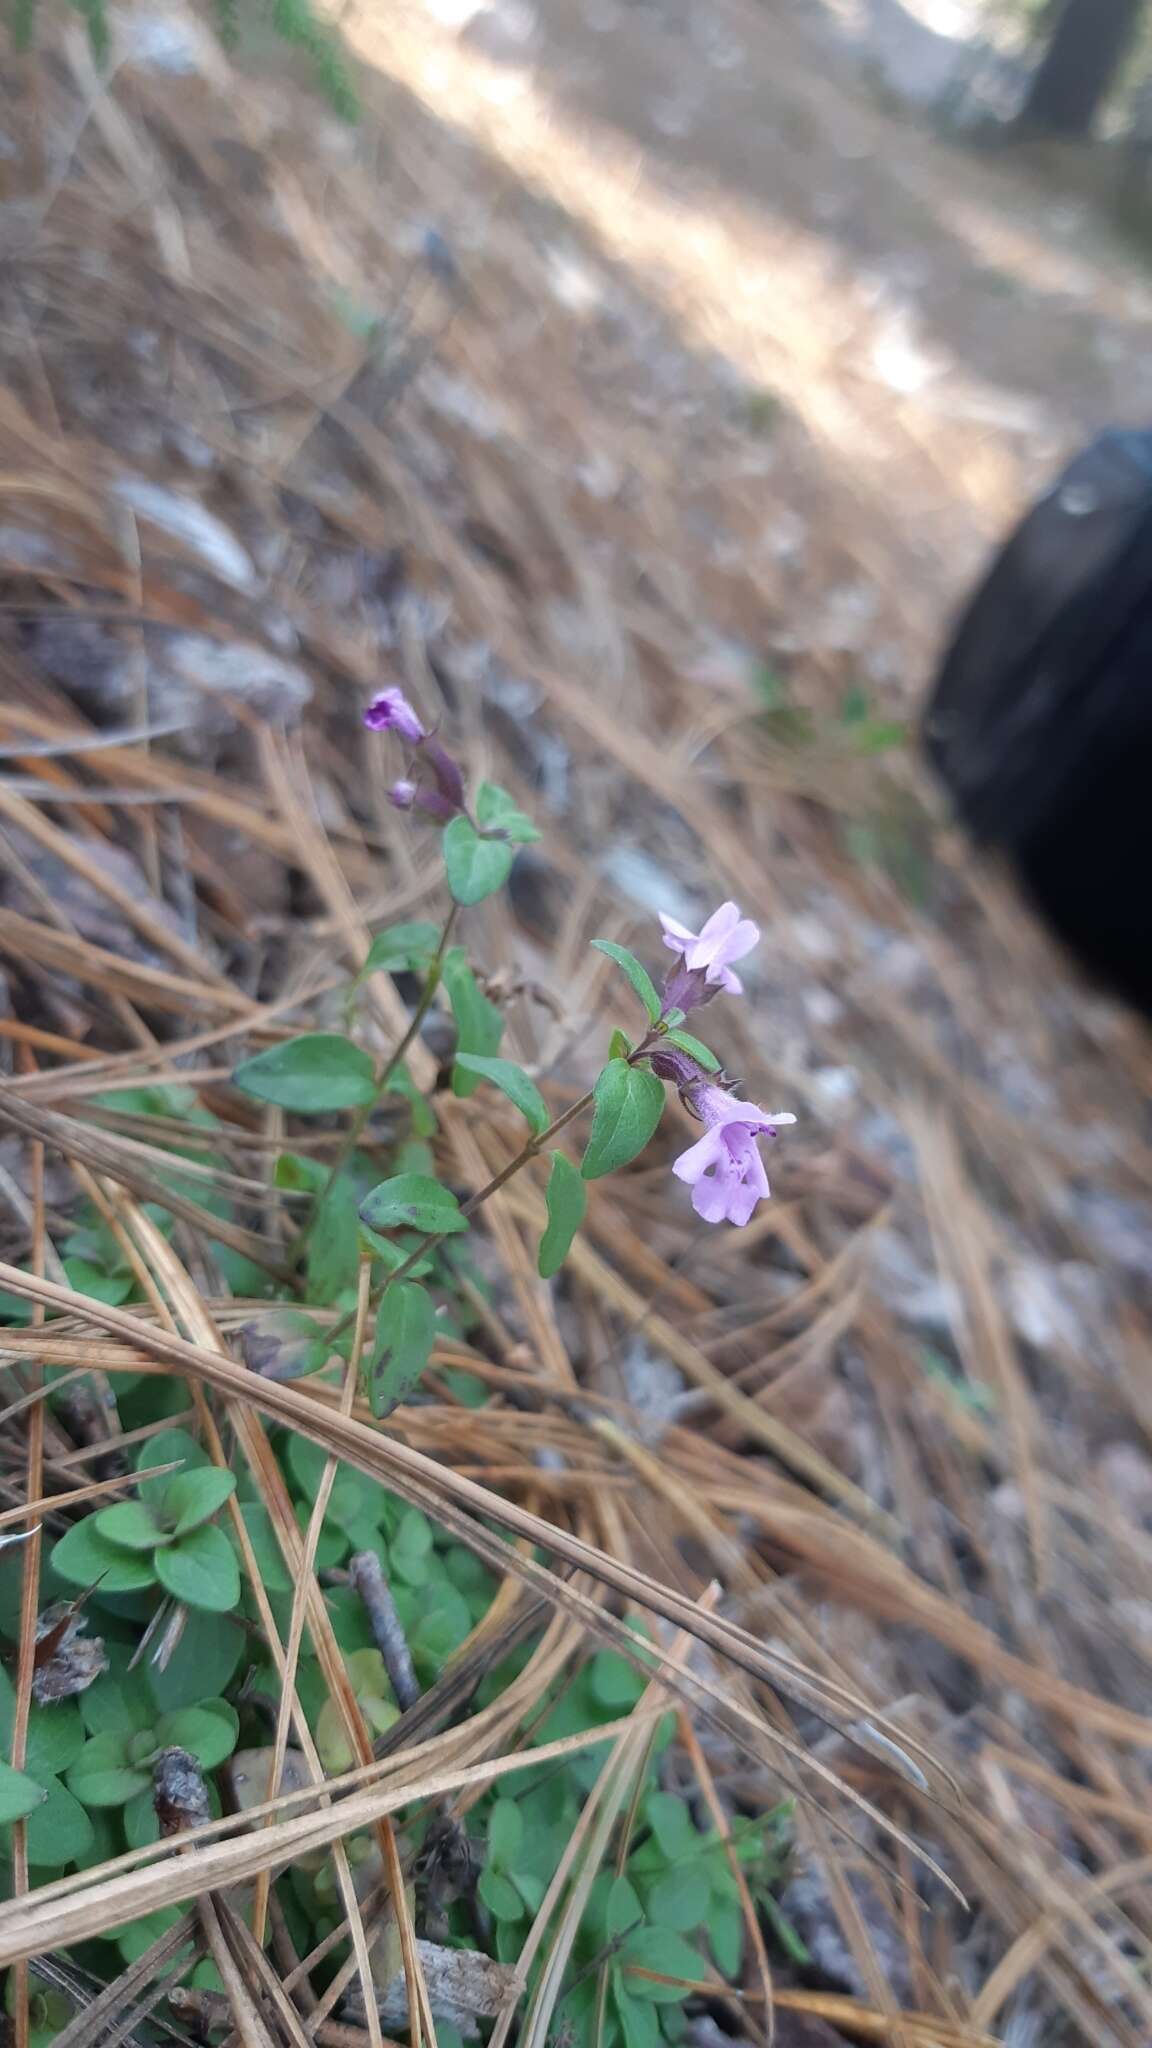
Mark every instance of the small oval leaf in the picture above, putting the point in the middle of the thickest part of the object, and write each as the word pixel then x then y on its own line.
pixel 567 1199
pixel 629 1105
pixel 405 1328
pixel 412 1201
pixel 201 1570
pixel 513 1082
pixel 130 1525
pixel 86 1558
pixel 313 1075
pixel 638 975
pixel 403 948
pixel 194 1497
pixel 497 810
pixel 102 1774
pixel 476 867
pixel 18 1794
pixel 479 1024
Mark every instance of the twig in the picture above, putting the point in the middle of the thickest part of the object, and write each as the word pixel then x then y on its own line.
pixel 367 1575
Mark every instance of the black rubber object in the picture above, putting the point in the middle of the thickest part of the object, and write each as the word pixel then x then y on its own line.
pixel 1040 718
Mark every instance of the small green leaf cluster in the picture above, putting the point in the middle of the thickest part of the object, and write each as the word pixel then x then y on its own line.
pixel 166 1537
pixel 89 1759
pixel 665 1914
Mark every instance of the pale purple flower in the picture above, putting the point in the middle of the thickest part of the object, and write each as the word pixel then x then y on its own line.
pixel 390 711
pixel 403 795
pixel 726 937
pixel 724 1168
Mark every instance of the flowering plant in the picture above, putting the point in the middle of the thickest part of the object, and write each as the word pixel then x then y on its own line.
pixel 403 1223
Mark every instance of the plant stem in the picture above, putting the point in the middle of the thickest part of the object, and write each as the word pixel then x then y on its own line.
pixel 356 1128
pixel 529 1151
pixel 526 1154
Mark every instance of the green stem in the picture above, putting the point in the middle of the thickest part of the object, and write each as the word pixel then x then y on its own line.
pixel 524 1157
pixel 356 1128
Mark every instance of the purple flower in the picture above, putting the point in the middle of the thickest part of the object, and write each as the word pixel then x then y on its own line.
pixel 726 937
pixel 390 711
pixel 724 1168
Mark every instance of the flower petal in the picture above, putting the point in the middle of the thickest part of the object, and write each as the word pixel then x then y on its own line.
pixel 700 1156
pixel 677 936
pixel 741 939
pixel 743 1202
pixel 721 923
pixel 712 1195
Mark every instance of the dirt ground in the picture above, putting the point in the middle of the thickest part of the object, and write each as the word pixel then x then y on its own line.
pixel 638 387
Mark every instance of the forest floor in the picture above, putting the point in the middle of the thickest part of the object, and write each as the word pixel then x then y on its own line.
pixel 639 390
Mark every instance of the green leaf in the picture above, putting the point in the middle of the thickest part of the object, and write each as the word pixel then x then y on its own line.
pixel 726 1935
pixel 167 1447
pixel 403 948
pixel 405 1329
pixel 680 1900
pixel 475 867
pixel 285 1344
pixel 497 810
pixel 794 1946
pixel 84 1557
pixel 658 1948
pixel 532 1889
pixel 622 1908
pixel 505 1834
pixel 333 1255
pixel 102 1775
pixel 130 1525
pixel 201 1569
pixel 274 1572
pixel 119 1706
pixel 500 1895
pixel 412 1201
pixel 139 1818
pixel 479 1024
pixel 614 1683
pixel 639 976
pixel 303 1176
pixel 112 1288
pixel 59 1831
pixel 638 2023
pixel 513 1082
pixel 619 1046
pixel 394 1252
pixel 567 1200
pixel 55 1734
pixel 194 1497
pixel 671 1823
pixel 18 1794
pixel 205 1660
pixel 694 1048
pixel 209 1731
pixel 412 1544
pixel 312 1075
pixel 629 1105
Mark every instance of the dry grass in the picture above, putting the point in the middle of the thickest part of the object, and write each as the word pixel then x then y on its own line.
pixel 908 1569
